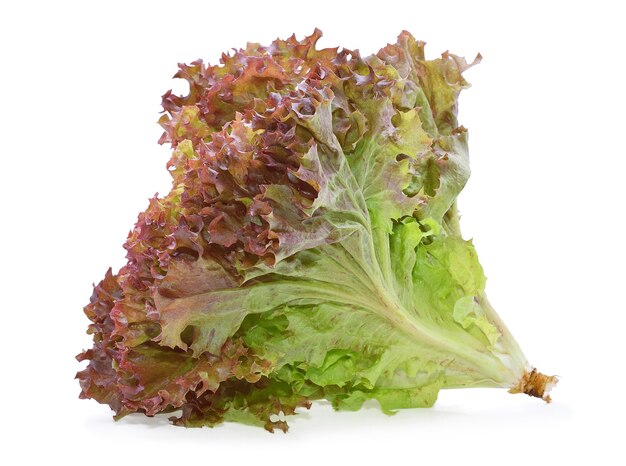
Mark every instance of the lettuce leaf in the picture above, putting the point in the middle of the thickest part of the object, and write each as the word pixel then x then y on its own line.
pixel 309 248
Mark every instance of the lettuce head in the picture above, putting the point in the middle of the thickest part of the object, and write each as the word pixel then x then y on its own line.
pixel 309 247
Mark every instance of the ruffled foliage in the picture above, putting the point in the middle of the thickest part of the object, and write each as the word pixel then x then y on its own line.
pixel 309 247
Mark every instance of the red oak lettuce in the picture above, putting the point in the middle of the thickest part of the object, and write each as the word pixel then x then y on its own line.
pixel 309 248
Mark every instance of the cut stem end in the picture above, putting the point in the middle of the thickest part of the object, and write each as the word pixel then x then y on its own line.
pixel 536 384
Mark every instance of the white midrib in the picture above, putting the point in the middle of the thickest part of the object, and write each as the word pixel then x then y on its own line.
pixel 486 365
pixel 391 308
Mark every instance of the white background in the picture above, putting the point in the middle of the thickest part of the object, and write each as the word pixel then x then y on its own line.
pixel 81 86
